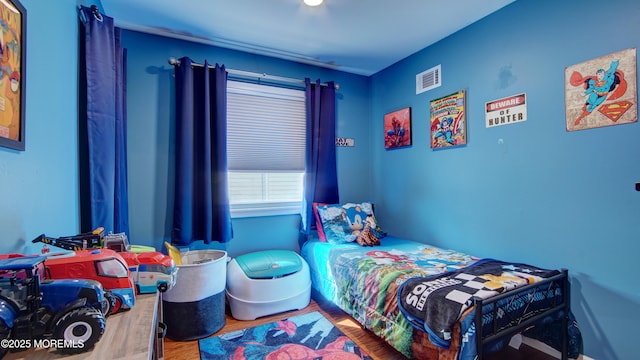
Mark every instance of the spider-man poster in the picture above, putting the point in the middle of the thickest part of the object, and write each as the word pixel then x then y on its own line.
pixel 602 91
pixel 397 129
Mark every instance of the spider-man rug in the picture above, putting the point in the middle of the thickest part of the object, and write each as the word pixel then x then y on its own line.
pixel 308 336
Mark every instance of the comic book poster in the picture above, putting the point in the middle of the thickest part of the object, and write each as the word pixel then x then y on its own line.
pixel 602 92
pixel 12 74
pixel 448 123
pixel 397 129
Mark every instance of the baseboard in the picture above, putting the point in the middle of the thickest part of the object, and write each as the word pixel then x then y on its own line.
pixel 540 346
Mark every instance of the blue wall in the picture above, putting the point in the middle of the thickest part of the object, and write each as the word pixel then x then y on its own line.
pixel 151 153
pixel 544 196
pixel 39 186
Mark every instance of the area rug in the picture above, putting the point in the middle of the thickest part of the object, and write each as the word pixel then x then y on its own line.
pixel 308 336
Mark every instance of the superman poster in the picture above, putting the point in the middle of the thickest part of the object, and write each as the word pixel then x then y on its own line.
pixel 448 121
pixel 602 92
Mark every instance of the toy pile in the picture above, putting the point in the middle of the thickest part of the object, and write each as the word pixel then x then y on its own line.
pixel 98 276
pixel 67 314
pixel 150 270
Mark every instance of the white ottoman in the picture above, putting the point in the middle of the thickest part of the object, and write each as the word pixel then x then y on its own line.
pixel 267 282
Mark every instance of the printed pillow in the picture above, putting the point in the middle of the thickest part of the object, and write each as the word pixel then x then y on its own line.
pixel 321 236
pixel 343 223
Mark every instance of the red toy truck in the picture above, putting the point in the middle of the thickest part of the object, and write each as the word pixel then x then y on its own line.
pixel 103 265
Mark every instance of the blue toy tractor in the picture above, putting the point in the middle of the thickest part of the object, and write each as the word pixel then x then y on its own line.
pixel 69 313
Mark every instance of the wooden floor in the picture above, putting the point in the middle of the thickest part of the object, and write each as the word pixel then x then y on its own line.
pixel 376 348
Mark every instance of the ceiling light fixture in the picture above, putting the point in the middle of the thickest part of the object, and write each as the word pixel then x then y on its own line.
pixel 313 2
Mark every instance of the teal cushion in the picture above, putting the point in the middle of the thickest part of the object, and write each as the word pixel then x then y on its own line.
pixel 269 263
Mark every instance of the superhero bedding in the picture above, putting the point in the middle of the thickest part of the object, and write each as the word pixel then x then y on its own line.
pixel 420 299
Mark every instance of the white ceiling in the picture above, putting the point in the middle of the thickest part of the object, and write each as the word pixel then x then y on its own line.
pixel 356 36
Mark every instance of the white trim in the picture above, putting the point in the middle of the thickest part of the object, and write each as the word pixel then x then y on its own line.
pixel 265 209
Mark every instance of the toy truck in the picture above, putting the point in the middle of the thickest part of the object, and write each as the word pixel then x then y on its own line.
pixel 118 242
pixel 103 265
pixel 82 241
pixel 70 311
pixel 151 271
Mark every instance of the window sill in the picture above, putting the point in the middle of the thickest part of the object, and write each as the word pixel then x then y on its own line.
pixel 264 209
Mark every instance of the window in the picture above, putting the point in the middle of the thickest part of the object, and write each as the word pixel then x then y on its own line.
pixel 265 147
pixel 112 268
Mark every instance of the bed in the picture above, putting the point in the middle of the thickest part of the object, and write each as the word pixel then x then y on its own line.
pixel 410 294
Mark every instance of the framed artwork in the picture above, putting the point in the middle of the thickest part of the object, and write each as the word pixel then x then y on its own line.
pixel 602 92
pixel 448 121
pixel 397 129
pixel 12 74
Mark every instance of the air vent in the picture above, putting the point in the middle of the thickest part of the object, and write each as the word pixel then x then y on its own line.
pixel 429 79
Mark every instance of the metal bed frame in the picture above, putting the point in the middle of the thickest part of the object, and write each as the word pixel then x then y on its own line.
pixel 547 288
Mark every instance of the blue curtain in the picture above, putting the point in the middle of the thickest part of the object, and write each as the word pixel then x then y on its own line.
pixel 105 125
pixel 201 206
pixel 320 178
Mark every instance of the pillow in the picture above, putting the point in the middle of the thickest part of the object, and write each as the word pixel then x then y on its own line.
pixel 342 223
pixel 321 236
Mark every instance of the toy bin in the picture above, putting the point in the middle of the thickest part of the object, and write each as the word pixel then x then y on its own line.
pixel 194 307
pixel 267 282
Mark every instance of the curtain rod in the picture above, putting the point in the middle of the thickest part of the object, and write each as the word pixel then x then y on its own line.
pixel 175 62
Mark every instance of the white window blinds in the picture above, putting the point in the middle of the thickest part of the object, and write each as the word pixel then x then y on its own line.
pixel 265 127
pixel 265 149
